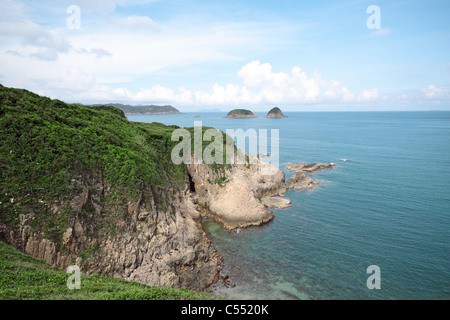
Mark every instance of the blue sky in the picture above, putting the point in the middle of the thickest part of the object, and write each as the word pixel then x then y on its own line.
pixel 196 55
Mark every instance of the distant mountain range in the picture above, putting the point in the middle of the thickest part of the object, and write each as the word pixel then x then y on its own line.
pixel 151 109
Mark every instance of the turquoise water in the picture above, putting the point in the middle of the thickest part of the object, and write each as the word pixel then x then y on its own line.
pixel 387 205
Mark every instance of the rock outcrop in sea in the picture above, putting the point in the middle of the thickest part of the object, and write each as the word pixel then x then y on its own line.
pixel 240 114
pixel 275 113
pixel 248 191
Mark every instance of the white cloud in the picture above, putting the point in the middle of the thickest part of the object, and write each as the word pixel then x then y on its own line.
pixel 433 92
pixel 103 64
pixel 98 52
pixel 260 86
pixel 29 38
pixel 368 95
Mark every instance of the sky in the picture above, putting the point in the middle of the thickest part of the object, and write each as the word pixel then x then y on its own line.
pixel 348 55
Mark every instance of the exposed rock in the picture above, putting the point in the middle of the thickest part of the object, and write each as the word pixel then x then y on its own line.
pixel 300 180
pixel 150 246
pixel 310 168
pixel 240 114
pixel 237 203
pixel 275 113
pixel 276 202
pixel 79 201
pixel 142 242
pixel 249 192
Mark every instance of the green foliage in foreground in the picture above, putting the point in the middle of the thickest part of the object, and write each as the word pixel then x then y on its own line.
pixel 45 143
pixel 25 277
pixel 49 148
pixel 109 108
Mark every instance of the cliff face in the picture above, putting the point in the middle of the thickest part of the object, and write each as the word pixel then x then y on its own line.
pixel 85 186
pixel 233 194
pixel 241 195
pixel 136 241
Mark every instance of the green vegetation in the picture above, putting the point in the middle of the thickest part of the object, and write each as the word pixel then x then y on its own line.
pixel 52 152
pixel 220 165
pixel 109 108
pixel 236 113
pixel 152 109
pixel 275 110
pixel 48 148
pixel 45 142
pixel 275 113
pixel 24 277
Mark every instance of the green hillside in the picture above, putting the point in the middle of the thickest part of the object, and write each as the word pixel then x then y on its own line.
pixel 240 113
pixel 50 153
pixel 24 277
pixel 46 144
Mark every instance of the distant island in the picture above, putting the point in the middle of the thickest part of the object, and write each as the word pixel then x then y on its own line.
pixel 240 114
pixel 150 109
pixel 275 113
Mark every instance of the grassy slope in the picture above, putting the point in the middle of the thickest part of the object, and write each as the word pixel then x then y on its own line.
pixel 44 141
pixel 46 144
pixel 24 277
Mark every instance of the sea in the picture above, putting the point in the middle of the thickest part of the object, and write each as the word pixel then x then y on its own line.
pixel 385 204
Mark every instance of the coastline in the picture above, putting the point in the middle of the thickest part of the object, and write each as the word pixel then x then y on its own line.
pixel 249 192
pixel 246 200
pixel 152 113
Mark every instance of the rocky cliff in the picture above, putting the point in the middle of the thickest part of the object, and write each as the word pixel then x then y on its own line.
pixel 241 195
pixel 130 239
pixel 233 195
pixel 85 186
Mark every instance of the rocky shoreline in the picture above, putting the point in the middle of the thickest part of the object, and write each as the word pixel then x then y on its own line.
pixel 249 191
pixel 247 196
